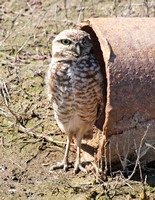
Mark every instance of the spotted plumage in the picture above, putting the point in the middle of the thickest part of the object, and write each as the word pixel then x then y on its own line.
pixel 75 88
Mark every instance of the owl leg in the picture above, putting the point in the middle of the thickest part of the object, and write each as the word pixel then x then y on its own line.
pixel 64 163
pixel 77 165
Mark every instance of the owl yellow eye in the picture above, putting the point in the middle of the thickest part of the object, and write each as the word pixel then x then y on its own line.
pixel 84 40
pixel 66 42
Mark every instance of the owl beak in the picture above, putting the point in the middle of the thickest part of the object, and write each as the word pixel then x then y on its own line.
pixel 78 49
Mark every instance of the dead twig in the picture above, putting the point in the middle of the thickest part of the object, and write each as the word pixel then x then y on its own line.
pixel 28 131
pixel 2 141
pixel 32 142
pixel 29 160
pixel 124 160
pixel 65 7
pixel 10 32
pixel 138 154
pixel 25 43
pixel 6 104
pixel 38 135
pixel 140 169
pixel 16 164
pixel 149 145
pixel 36 126
pixel 4 113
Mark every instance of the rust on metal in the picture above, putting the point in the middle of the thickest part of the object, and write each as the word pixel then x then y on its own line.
pixel 125 48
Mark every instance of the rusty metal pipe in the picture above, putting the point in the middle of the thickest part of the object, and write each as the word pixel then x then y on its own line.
pixel 125 48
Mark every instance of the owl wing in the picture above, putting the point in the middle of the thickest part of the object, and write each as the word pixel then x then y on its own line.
pixel 99 92
pixel 57 81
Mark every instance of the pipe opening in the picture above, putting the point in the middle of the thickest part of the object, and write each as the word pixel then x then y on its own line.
pixel 99 55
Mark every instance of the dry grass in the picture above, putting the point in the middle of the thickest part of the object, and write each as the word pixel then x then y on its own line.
pixel 27 30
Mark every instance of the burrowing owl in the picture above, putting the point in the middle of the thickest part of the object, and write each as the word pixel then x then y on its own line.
pixel 75 88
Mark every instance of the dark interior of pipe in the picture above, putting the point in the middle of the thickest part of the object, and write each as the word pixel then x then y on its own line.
pixel 99 55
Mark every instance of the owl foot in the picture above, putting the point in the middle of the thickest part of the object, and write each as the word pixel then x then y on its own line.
pixel 79 167
pixel 59 166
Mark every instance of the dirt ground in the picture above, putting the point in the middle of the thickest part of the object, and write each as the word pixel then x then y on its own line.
pixel 30 141
pixel 24 174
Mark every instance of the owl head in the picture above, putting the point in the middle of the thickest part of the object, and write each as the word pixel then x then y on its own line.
pixel 72 42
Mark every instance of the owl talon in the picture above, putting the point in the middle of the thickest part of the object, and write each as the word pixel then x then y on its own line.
pixel 65 167
pixel 59 166
pixel 79 167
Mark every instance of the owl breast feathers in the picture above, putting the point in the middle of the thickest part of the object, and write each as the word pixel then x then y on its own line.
pixel 75 83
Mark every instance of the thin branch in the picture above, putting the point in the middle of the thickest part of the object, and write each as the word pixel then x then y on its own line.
pixel 6 104
pixel 25 43
pixel 38 135
pixel 16 164
pixel 149 145
pixel 138 153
